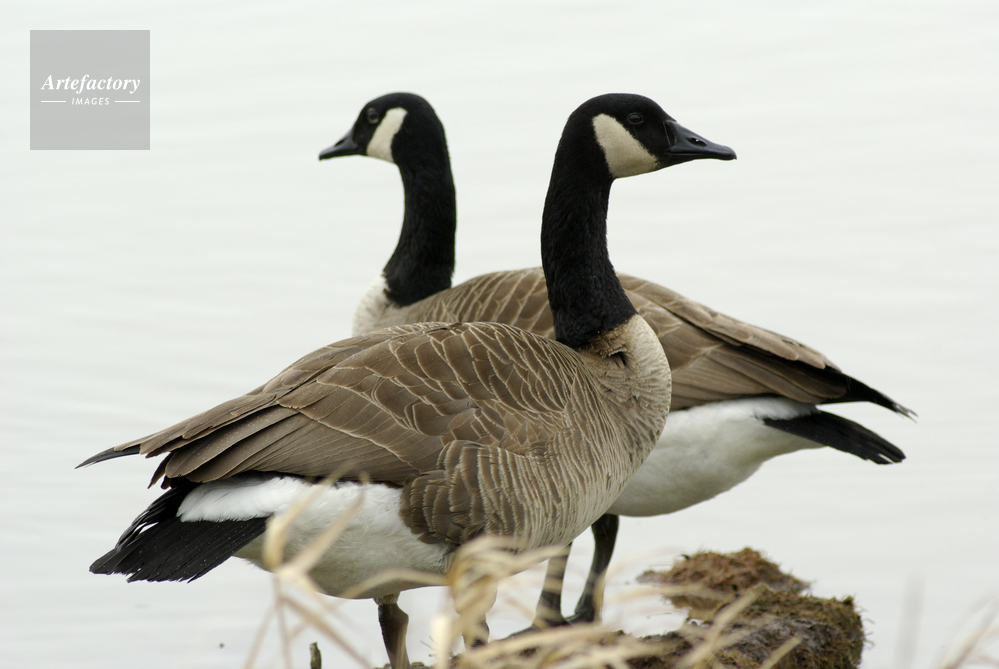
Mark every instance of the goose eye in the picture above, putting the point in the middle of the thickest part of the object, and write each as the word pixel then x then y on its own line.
pixel 372 115
pixel 634 118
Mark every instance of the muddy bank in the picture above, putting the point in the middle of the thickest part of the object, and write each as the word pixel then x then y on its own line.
pixel 743 610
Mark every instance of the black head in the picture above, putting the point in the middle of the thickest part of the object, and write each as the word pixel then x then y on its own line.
pixel 398 127
pixel 403 128
pixel 636 136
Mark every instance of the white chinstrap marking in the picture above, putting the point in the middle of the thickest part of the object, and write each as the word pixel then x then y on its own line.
pixel 706 450
pixel 375 539
pixel 625 155
pixel 380 145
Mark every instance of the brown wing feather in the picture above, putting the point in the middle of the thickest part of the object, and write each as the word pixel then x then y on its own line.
pixel 712 356
pixel 401 395
pixel 434 408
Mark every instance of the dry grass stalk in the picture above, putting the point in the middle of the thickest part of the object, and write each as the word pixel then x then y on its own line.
pixel 722 578
pixel 294 590
pixel 980 647
pixel 474 579
pixel 757 618
pixel 716 638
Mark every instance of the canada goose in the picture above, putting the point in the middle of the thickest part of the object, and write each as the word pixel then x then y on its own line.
pixel 741 394
pixel 451 430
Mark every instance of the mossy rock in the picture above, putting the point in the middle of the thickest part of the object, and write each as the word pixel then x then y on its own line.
pixel 775 610
pixel 708 581
pixel 829 631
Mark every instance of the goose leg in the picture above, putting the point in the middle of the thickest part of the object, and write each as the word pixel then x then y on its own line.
pixel 604 536
pixel 394 622
pixel 480 635
pixel 549 610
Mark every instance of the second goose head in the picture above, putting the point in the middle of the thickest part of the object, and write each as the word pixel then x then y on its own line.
pixel 403 129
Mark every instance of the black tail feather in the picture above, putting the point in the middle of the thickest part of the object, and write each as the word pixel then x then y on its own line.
pixel 842 434
pixel 158 546
pixel 857 391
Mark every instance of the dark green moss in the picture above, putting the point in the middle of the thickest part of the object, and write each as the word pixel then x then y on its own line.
pixel 829 631
pixel 716 579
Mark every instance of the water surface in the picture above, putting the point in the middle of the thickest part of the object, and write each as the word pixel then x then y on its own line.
pixel 142 287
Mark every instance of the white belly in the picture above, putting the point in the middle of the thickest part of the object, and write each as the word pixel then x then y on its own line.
pixel 374 541
pixel 706 450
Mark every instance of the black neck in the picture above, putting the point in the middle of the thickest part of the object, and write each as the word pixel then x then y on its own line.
pixel 585 295
pixel 423 260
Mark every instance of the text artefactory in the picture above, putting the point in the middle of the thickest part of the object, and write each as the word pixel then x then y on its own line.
pixel 89 84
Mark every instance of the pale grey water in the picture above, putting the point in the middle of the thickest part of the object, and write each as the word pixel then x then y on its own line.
pixel 141 287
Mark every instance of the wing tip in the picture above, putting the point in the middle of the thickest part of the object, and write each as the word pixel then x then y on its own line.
pixel 109 454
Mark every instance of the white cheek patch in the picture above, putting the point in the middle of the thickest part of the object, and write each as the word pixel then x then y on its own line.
pixel 380 145
pixel 625 155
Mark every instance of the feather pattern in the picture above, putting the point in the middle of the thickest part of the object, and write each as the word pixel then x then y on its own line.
pixel 713 357
pixel 480 424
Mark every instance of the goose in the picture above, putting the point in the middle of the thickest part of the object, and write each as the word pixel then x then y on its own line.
pixel 741 394
pixel 441 432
